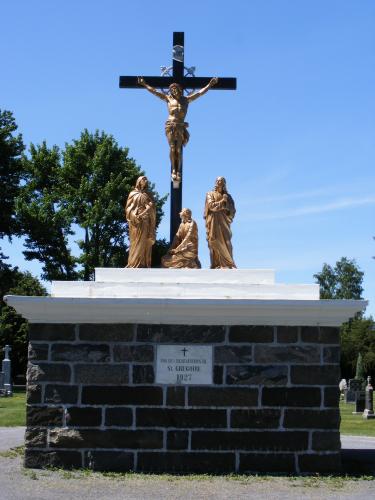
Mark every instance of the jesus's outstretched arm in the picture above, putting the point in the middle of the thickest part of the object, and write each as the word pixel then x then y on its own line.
pixel 201 92
pixel 142 82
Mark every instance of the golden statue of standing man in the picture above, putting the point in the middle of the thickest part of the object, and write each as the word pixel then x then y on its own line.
pixel 219 212
pixel 175 126
pixel 140 212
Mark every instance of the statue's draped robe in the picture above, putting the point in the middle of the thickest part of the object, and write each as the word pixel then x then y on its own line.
pixel 219 215
pixel 185 243
pixel 141 233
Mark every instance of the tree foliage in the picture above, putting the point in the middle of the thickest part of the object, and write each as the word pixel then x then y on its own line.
pixel 358 338
pixel 97 177
pixel 43 218
pixel 360 369
pixel 343 281
pixel 81 190
pixel 13 328
pixel 11 148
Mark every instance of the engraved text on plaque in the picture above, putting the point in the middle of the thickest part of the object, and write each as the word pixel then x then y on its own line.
pixel 184 364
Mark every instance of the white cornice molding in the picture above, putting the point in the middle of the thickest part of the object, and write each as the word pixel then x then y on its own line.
pixel 185 311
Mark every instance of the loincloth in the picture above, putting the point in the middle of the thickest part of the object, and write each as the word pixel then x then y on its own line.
pixel 177 132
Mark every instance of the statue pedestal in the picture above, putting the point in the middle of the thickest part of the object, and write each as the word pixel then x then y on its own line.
pixel 184 371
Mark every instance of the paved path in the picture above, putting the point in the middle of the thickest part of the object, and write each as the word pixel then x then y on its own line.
pixel 17 483
pixel 11 437
pixel 357 443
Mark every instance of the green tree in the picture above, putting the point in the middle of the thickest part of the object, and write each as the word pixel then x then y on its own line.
pixel 358 337
pixel 13 328
pixel 81 191
pixel 360 370
pixel 343 281
pixel 11 148
pixel 97 177
pixel 44 220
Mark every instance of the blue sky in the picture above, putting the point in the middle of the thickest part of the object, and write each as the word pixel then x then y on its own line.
pixel 295 141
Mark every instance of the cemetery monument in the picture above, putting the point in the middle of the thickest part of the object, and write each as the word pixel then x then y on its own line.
pixel 183 369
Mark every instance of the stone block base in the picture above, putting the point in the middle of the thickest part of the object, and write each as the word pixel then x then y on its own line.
pixel 92 400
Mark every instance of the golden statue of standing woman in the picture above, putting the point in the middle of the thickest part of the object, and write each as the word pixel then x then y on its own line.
pixel 140 212
pixel 219 212
pixel 175 126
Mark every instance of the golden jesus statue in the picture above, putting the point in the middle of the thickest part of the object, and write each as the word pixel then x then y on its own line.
pixel 175 126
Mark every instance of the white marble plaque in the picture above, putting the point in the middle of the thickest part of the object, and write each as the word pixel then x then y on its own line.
pixel 184 364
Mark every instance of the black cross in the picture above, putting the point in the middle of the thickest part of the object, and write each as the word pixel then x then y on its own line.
pixel 184 350
pixel 187 82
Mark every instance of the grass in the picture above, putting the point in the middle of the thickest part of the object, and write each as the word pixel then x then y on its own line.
pixel 18 451
pixel 12 414
pixel 12 410
pixel 331 483
pixel 355 425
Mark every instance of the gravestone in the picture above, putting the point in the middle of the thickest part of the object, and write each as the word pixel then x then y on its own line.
pixel 6 378
pixel 369 410
pixel 355 386
pixel 360 402
pixel 343 385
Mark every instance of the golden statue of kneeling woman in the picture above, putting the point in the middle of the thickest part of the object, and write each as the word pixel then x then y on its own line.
pixel 184 249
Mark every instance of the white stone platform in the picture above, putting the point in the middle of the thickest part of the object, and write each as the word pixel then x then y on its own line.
pixel 185 296
pixel 185 283
pixel 236 276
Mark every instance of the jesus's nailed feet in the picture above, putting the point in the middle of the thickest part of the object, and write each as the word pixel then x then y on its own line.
pixel 176 179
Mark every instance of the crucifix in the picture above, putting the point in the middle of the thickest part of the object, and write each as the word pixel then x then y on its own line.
pixel 177 81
